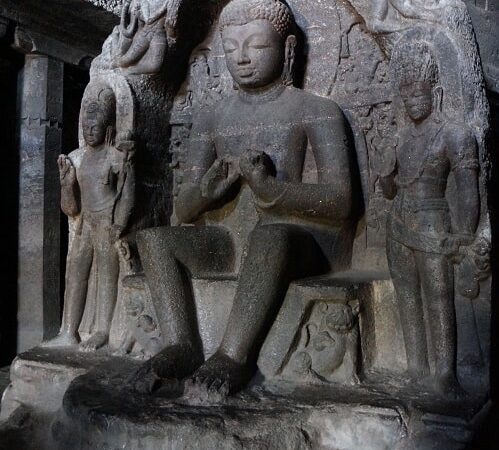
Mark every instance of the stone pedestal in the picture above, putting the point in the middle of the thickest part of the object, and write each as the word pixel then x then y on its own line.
pixel 99 412
pixel 40 377
pixel 68 399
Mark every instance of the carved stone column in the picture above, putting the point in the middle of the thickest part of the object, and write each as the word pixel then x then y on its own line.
pixel 39 193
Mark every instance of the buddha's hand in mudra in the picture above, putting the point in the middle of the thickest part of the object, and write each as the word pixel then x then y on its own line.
pixel 256 167
pixel 218 180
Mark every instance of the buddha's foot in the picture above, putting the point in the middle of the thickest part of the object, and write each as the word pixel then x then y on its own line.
pixel 94 342
pixel 144 380
pixel 215 380
pixel 163 371
pixel 61 340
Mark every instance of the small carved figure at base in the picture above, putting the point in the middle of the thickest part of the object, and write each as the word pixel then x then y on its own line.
pixel 327 350
pixel 142 337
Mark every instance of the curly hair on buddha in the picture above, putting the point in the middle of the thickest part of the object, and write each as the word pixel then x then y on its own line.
pixel 241 12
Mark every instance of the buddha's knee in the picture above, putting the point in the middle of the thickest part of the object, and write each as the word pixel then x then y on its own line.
pixel 272 236
pixel 155 240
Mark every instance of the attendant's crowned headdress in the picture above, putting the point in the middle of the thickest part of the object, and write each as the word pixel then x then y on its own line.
pixel 101 101
pixel 413 62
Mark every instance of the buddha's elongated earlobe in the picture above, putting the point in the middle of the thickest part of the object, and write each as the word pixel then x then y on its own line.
pixel 289 60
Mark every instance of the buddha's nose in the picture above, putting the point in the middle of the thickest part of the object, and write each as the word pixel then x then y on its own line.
pixel 243 58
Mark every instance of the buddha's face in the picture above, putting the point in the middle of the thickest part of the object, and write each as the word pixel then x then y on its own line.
pixel 255 53
pixel 94 128
pixel 418 99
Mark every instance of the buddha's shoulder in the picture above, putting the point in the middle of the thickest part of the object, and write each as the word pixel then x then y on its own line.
pixel 312 104
pixel 213 111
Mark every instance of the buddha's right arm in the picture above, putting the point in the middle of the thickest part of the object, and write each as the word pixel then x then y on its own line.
pixel 190 203
pixel 70 203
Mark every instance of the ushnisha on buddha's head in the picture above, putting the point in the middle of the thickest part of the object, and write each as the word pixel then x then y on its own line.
pixel 98 118
pixel 259 42
pixel 417 77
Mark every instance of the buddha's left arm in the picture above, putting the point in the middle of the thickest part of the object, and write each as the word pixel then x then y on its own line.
pixel 462 154
pixel 331 197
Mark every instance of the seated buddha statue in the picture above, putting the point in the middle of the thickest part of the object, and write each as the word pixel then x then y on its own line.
pixel 255 140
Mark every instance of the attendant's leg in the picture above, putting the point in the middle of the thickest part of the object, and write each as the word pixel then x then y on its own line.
pixel 169 255
pixel 78 267
pixel 438 287
pixel 404 272
pixel 277 254
pixel 108 266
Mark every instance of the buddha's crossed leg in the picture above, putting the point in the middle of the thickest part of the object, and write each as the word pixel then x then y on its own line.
pixel 169 256
pixel 276 255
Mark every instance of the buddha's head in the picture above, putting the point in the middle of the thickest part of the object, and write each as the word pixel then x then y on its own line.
pixel 98 118
pixel 259 42
pixel 417 76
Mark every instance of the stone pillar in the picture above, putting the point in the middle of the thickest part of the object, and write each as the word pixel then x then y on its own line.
pixel 39 197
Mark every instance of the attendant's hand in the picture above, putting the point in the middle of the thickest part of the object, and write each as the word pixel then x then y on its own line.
pixel 116 232
pixel 217 181
pixel 126 145
pixel 67 172
pixel 256 167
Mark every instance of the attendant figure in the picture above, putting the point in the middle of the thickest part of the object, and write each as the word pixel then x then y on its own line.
pixel 97 189
pixel 422 243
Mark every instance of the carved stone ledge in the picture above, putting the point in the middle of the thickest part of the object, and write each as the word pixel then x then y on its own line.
pixel 40 377
pixel 95 415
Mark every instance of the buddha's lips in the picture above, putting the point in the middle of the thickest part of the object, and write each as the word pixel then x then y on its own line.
pixel 245 73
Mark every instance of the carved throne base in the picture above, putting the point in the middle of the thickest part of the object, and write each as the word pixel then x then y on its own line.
pixel 98 413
